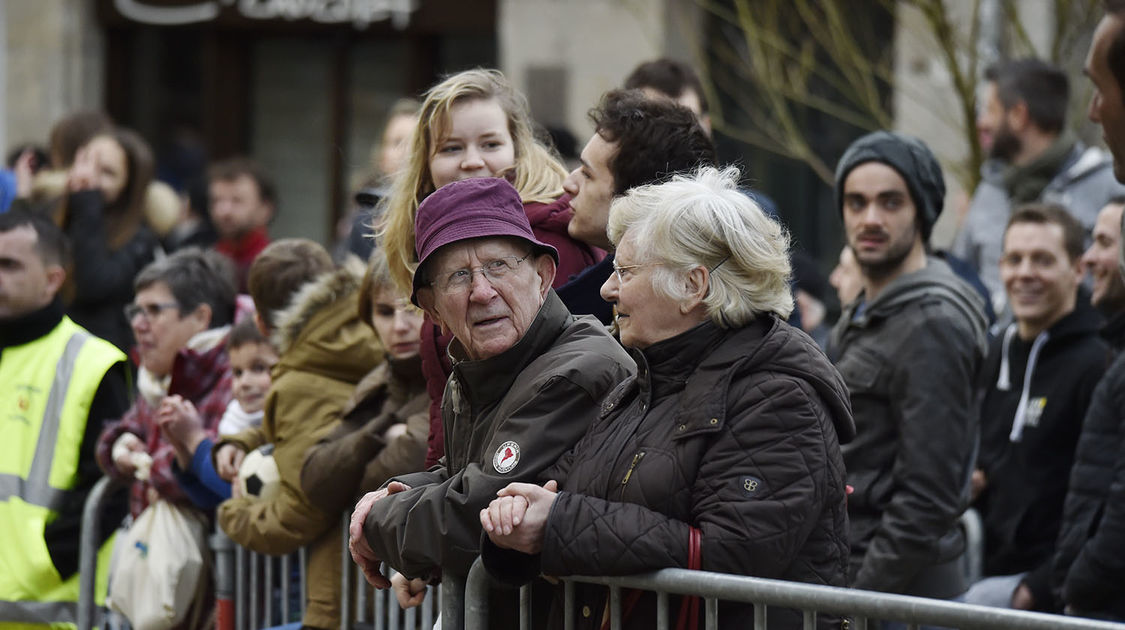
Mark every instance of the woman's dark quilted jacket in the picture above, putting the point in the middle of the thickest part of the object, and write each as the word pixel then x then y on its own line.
pixel 735 432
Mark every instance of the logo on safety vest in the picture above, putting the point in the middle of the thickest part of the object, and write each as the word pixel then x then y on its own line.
pixel 506 457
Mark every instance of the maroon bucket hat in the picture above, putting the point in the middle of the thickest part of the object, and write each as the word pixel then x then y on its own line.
pixel 470 208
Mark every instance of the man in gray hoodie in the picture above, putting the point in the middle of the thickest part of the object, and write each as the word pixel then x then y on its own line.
pixel 909 347
pixel 1032 158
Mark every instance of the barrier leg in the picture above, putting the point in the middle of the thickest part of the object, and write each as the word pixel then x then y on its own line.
pixel 467 600
pixel 223 549
pixel 346 575
pixel 88 554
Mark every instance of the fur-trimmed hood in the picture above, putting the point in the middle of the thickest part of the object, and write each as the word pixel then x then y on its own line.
pixel 321 331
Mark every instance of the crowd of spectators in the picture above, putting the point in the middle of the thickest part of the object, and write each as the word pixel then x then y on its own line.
pixel 594 372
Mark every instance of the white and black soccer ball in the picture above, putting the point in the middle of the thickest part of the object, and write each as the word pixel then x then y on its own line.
pixel 258 476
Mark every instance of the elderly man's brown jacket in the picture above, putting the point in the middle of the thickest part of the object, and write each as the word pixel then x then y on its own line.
pixel 506 419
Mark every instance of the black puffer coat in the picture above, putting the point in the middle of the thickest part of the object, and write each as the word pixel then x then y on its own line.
pixel 734 432
pixel 1089 568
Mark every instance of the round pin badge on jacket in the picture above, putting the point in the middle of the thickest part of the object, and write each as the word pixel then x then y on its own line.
pixel 506 457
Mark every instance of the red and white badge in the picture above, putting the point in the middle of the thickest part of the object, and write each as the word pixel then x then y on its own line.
pixel 506 457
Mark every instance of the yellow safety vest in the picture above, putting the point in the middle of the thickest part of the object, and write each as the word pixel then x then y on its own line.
pixel 46 389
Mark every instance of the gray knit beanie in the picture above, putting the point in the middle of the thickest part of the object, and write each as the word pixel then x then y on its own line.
pixel 914 162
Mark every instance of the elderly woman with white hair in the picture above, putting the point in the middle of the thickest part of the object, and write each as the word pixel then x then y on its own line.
pixel 723 452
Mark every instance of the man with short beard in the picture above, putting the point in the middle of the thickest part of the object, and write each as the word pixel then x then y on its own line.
pixel 909 347
pixel 1033 158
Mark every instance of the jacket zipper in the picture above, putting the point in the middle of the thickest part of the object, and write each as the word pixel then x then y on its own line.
pixel 629 473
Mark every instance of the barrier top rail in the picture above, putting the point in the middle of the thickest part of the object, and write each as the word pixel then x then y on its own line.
pixel 822 599
pixel 845 601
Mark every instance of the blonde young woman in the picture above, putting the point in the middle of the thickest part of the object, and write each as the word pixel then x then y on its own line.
pixel 475 124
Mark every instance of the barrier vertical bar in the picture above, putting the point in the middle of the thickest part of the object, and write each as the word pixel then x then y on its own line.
pixel 428 608
pixel 224 550
pixel 240 595
pixel 809 620
pixel 377 602
pixel 346 583
pixel 303 559
pixel 525 607
pixel 615 608
pixel 255 590
pixel 267 591
pixel 392 609
pixel 970 521
pixel 759 617
pixel 568 605
pixel 286 585
pixel 409 618
pixel 711 613
pixel 661 610
pixel 88 553
pixel 466 600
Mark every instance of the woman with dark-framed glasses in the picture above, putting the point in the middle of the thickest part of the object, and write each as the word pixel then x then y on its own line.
pixel 723 452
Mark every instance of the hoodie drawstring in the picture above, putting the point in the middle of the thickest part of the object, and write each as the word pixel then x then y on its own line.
pixel 1032 358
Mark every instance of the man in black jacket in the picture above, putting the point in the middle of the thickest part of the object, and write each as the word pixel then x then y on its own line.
pixel 1089 568
pixel 1036 385
pixel 909 348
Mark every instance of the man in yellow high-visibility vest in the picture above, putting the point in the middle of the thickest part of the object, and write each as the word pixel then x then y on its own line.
pixel 58 385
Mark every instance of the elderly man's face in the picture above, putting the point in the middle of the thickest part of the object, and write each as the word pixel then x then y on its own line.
pixel 488 315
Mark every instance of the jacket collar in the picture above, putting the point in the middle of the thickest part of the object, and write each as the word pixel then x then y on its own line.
pixel 486 381
pixel 663 368
pixel 721 354
pixel 32 326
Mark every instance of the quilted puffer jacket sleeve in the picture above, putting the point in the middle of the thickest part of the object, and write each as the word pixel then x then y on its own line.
pixel 758 494
pixel 1095 579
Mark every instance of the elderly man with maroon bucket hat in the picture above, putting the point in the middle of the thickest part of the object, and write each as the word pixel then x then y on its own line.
pixel 528 378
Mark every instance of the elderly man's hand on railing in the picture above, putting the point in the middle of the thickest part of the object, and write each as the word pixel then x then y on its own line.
pixel 517 518
pixel 362 554
pixel 408 592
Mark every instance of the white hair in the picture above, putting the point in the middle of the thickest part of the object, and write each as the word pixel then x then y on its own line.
pixel 704 220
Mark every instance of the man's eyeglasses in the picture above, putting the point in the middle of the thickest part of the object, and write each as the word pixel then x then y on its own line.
pixel 149 311
pixel 461 280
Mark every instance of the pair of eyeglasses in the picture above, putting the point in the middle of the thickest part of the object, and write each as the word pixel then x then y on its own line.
pixel 461 280
pixel 149 311
pixel 624 271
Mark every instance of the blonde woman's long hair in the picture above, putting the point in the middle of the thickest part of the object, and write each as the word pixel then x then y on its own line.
pixel 537 175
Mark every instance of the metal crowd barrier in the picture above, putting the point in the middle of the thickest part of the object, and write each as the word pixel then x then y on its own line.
pixel 254 591
pixel 865 608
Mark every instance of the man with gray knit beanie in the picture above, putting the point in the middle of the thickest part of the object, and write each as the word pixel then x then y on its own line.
pixel 909 348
